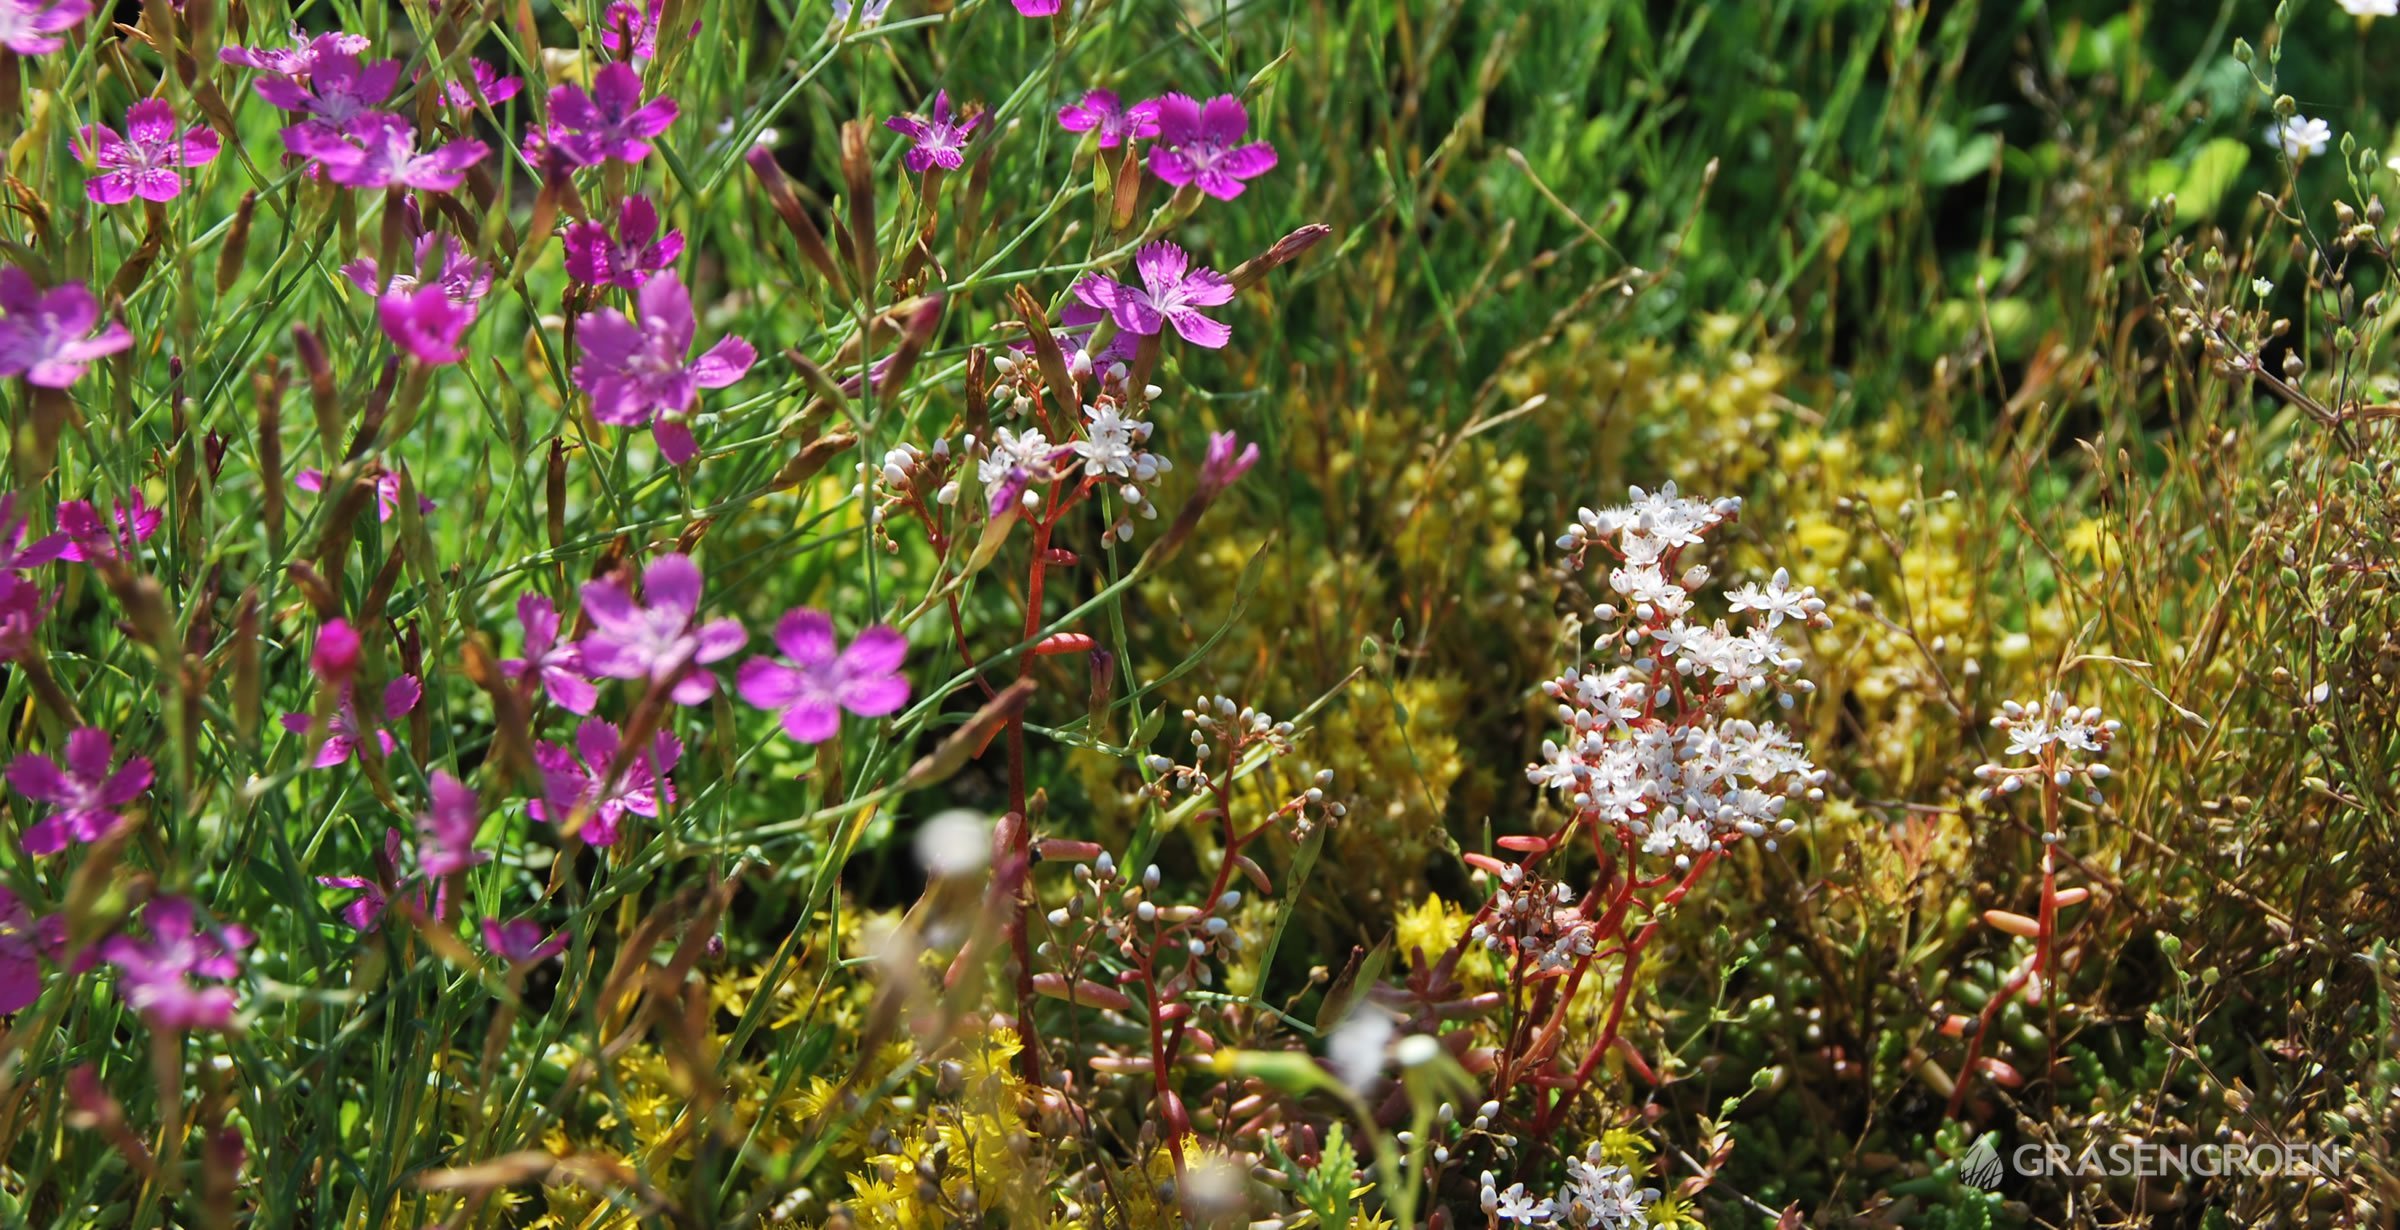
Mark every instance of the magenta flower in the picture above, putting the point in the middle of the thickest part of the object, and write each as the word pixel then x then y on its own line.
pixel 17 555
pixel 87 792
pixel 938 142
pixel 1038 8
pixel 400 698
pixel 1224 464
pixel 632 32
pixel 634 366
pixel 47 335
pixel 520 941
pixel 660 639
pixel 578 780
pixel 335 659
pixel 426 322
pixel 558 665
pixel 300 58
pixel 441 260
pixel 142 162
pixel 1073 333
pixel 89 538
pixel 1202 145
pixel 156 975
pixel 31 27
pixel 486 86
pixel 23 606
pixel 1171 293
pixel 337 89
pixel 20 955
pixel 446 834
pixel 380 151
pixel 814 684
pixel 627 259
pixel 611 121
pixel 1102 112
pixel 364 912
pixel 387 490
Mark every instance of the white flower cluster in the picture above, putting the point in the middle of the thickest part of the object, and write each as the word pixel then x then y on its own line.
pixel 1647 747
pixel 1537 922
pixel 1594 1197
pixel 2067 742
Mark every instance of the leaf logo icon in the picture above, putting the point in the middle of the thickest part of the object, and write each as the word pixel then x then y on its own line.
pixel 1980 1168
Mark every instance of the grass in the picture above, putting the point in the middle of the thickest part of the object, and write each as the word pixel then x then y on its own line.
pixel 1906 278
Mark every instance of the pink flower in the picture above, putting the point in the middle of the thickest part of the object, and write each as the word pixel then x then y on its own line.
pixel 634 366
pixel 609 122
pixel 486 86
pixel 938 142
pixel 595 258
pixel 364 913
pixel 338 88
pixel 31 27
pixel 1202 145
pixel 17 555
pixel 446 834
pixel 812 687
pixel 156 975
pixel 1224 464
pixel 578 781
pixel 20 955
pixel 142 162
pixel 47 335
pixel 520 941
pixel 335 659
pixel 23 606
pixel 1038 8
pixel 426 322
pixel 441 260
pixel 659 640
pixel 632 32
pixel 556 664
pixel 400 698
pixel 87 792
pixel 300 58
pixel 88 538
pixel 387 491
pixel 1169 295
pixel 1101 112
pixel 380 151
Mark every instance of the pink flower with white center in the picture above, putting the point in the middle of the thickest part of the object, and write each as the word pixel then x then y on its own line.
pixel 579 781
pixel 400 698
pixel 380 151
pixel 88 537
pixel 519 941
pixel 297 60
pixel 636 369
pixel 338 88
pixel 87 792
pixel 555 663
pixel 156 976
pixel 441 260
pixel 46 336
pixel 32 27
pixel 484 85
pixel 659 640
pixel 811 687
pixel 626 259
pixel 1172 293
pixel 142 162
pixel 1102 112
pixel 1202 145
pixel 610 121
pixel 939 141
